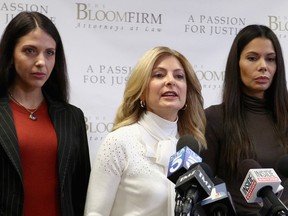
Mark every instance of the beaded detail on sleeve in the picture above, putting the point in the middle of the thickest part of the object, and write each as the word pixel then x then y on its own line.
pixel 122 151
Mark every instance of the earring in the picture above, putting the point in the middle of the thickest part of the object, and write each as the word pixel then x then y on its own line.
pixel 185 107
pixel 142 104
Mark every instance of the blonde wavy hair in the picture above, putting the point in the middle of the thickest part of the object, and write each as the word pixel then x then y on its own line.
pixel 190 120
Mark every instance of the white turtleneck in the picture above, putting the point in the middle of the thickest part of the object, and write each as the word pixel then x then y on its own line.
pixel 129 174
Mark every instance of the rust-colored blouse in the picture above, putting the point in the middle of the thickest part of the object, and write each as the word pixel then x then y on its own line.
pixel 38 151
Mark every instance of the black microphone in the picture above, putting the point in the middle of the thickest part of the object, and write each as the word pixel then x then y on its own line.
pixel 219 203
pixel 195 184
pixel 187 154
pixel 260 185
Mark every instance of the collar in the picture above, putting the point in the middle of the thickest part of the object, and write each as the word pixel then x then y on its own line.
pixel 159 136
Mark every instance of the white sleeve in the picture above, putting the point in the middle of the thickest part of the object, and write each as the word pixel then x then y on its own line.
pixel 105 177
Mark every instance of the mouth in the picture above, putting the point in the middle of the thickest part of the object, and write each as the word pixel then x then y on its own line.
pixel 262 79
pixel 169 94
pixel 39 74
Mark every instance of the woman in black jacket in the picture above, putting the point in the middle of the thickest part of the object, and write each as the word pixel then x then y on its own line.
pixel 44 157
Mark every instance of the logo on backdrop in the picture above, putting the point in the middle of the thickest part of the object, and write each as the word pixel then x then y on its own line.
pixel 101 17
pixel 97 127
pixel 214 25
pixel 209 78
pixel 10 9
pixel 279 25
pixel 109 75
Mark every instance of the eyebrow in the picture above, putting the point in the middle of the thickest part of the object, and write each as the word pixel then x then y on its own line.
pixel 254 52
pixel 36 47
pixel 162 68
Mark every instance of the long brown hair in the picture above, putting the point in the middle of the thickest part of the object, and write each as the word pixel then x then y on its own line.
pixel 237 143
pixel 57 86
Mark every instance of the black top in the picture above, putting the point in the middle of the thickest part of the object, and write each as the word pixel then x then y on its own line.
pixel 261 133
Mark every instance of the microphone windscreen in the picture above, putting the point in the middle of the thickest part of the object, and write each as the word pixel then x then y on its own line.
pixel 217 181
pixel 196 177
pixel 186 155
pixel 194 165
pixel 207 169
pixel 282 167
pixel 246 165
pixel 189 141
pixel 256 181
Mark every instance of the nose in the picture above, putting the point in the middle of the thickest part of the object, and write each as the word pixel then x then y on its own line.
pixel 262 66
pixel 40 61
pixel 170 80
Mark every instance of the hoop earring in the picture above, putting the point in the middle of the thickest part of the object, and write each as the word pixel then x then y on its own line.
pixel 185 107
pixel 142 104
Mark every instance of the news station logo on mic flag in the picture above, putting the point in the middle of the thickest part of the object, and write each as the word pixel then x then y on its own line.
pixel 257 179
pixel 195 177
pixel 181 161
pixel 218 203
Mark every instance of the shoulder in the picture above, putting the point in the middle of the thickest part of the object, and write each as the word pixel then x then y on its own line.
pixel 124 139
pixel 121 143
pixel 124 134
pixel 70 107
pixel 214 112
pixel 64 114
pixel 67 107
pixel 215 117
pixel 56 105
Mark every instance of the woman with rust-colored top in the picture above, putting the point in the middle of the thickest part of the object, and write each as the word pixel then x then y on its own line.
pixel 44 157
pixel 252 121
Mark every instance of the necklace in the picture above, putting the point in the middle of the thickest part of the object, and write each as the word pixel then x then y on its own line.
pixel 32 115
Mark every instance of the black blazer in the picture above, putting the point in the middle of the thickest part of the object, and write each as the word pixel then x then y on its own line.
pixel 73 160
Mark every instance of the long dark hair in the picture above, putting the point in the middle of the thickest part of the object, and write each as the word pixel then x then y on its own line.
pixel 237 144
pixel 22 24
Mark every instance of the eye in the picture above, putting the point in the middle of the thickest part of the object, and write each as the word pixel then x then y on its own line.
pixel 50 52
pixel 271 59
pixel 252 58
pixel 158 73
pixel 29 51
pixel 180 76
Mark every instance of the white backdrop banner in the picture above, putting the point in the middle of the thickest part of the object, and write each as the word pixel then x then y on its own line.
pixel 104 39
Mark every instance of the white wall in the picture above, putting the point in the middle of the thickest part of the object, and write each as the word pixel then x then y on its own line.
pixel 104 39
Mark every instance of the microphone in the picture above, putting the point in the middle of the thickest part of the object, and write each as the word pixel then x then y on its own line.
pixel 193 185
pixel 261 185
pixel 187 148
pixel 187 154
pixel 219 203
